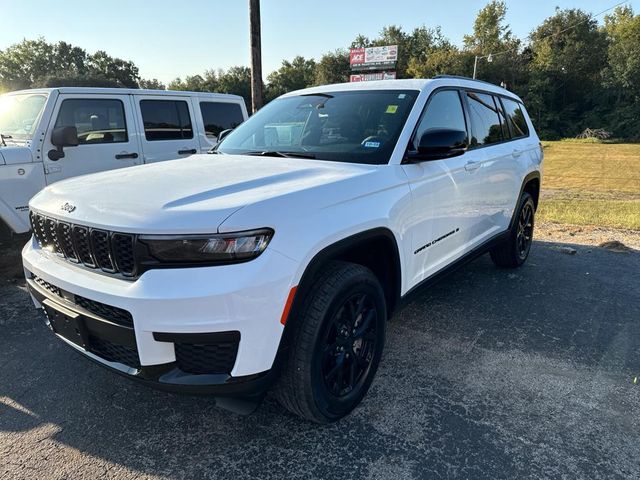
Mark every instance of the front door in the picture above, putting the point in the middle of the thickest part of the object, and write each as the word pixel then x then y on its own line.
pixel 106 135
pixel 447 219
pixel 168 127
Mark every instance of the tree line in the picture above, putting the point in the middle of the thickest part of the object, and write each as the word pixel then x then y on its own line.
pixel 573 72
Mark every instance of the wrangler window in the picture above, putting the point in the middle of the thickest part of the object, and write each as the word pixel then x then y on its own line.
pixel 166 120
pixel 219 116
pixel 98 120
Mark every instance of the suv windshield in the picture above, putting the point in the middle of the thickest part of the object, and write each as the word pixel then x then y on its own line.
pixel 19 114
pixel 359 126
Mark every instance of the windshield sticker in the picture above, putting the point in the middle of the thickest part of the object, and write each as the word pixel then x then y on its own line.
pixel 372 144
pixel 392 108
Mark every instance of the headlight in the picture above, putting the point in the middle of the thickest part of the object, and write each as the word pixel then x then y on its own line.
pixel 211 249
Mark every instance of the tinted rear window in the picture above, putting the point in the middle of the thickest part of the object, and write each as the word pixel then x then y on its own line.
pixel 219 116
pixel 515 114
pixel 166 119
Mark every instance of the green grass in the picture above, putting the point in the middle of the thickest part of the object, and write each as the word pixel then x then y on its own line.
pixel 591 184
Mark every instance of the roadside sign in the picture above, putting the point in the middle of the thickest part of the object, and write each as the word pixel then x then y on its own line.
pixel 368 77
pixel 373 58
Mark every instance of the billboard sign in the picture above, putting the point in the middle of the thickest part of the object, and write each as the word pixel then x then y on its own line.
pixel 373 58
pixel 368 77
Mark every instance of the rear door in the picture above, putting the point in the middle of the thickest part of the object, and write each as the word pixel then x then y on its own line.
pixel 167 127
pixel 216 115
pixel 106 135
pixel 491 135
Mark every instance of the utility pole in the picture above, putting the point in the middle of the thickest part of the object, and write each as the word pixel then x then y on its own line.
pixel 256 55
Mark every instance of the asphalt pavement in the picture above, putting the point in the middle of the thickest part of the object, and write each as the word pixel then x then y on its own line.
pixel 489 374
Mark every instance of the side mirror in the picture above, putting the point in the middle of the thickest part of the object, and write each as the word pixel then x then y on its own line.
pixel 62 137
pixel 439 143
pixel 224 133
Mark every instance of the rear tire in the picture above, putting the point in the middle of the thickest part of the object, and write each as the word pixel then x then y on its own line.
pixel 515 251
pixel 337 344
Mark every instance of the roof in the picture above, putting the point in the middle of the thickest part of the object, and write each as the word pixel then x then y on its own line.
pixel 407 84
pixel 124 91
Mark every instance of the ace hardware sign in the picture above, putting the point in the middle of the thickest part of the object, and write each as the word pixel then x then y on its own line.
pixel 373 58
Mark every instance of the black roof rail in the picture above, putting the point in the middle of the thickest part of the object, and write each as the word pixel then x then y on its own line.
pixel 460 77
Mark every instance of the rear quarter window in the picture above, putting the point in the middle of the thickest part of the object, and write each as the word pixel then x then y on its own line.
pixel 219 116
pixel 515 116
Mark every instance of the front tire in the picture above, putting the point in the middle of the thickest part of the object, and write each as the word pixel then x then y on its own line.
pixel 337 344
pixel 515 251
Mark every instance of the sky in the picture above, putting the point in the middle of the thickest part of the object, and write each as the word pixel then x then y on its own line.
pixel 169 39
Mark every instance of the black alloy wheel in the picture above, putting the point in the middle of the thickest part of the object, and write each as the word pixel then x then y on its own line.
pixel 349 346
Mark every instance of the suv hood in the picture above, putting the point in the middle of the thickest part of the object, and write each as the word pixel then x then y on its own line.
pixel 192 195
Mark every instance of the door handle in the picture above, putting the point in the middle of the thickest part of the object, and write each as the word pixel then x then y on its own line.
pixel 472 166
pixel 187 152
pixel 121 156
pixel 516 153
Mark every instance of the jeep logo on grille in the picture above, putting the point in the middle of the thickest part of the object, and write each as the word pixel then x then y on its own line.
pixel 67 207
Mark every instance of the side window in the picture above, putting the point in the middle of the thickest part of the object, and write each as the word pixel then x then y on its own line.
pixel 219 116
pixel 443 111
pixel 166 120
pixel 515 114
pixel 97 120
pixel 485 122
pixel 503 119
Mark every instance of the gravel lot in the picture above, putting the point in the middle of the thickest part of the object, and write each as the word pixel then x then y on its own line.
pixel 489 374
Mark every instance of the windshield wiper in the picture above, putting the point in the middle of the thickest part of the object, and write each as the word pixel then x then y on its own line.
pixel 275 153
pixel 3 138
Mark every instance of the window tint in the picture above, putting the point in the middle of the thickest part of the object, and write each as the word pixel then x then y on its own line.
pixel 443 111
pixel 503 119
pixel 485 123
pixel 97 120
pixel 219 116
pixel 166 119
pixel 515 114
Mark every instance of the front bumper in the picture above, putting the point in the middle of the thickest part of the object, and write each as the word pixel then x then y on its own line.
pixel 169 309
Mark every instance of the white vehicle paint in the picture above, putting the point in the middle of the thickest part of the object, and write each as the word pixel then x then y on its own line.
pixel 407 218
pixel 112 135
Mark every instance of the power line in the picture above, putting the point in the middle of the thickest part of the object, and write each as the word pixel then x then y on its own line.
pixel 561 31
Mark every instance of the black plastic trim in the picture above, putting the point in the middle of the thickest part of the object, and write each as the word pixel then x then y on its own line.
pixel 198 338
pixel 313 268
pixel 535 175
pixel 168 376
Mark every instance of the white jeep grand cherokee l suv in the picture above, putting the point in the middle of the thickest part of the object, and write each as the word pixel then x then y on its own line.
pixel 277 260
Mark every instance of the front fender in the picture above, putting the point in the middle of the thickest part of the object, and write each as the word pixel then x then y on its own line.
pixel 18 184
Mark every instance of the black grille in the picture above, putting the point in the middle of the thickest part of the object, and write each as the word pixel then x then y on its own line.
pixel 200 359
pixel 101 250
pixel 66 241
pixel 111 252
pixel 47 286
pixel 122 245
pixel 114 352
pixel 113 314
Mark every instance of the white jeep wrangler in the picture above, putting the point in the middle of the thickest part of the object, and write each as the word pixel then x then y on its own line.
pixel 52 134
pixel 278 259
